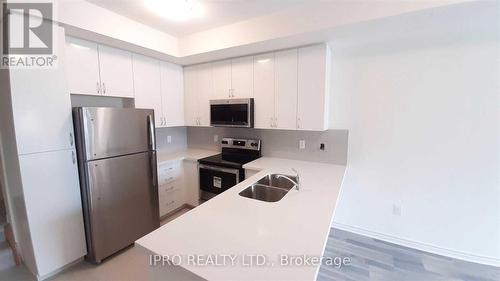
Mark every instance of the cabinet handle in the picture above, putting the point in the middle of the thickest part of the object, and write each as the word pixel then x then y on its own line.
pixel 73 157
pixel 71 139
pixel 298 123
pixel 165 121
pixel 103 88
pixel 98 87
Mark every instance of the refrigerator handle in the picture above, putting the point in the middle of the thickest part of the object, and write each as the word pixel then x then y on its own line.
pixel 154 170
pixel 151 133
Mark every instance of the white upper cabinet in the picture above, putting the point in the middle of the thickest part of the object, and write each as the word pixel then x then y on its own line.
pixel 313 87
pixel 82 67
pixel 264 91
pixel 198 89
pixel 222 79
pixel 172 94
pixel 205 93
pixel 116 72
pixel 98 70
pixel 285 65
pixel 190 96
pixel 42 107
pixel 242 77
pixel 147 83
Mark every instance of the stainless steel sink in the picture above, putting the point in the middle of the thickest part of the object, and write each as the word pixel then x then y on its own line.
pixel 277 180
pixel 271 188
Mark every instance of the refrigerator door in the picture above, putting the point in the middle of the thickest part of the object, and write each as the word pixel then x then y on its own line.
pixel 122 196
pixel 108 132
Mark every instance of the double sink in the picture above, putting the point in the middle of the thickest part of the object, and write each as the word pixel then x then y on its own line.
pixel 270 188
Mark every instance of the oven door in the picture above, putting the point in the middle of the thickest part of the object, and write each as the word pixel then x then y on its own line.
pixel 216 179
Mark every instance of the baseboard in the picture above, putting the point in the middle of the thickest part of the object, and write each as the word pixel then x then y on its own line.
pixel 420 246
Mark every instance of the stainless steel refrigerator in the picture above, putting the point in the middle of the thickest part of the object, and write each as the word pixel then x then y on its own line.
pixel 117 165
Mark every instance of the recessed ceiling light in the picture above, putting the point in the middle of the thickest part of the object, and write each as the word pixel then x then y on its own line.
pixel 263 60
pixel 176 10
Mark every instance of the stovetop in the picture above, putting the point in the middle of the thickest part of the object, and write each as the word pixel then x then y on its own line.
pixel 228 161
pixel 235 153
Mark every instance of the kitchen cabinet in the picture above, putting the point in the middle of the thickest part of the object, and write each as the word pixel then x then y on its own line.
pixel 191 182
pixel 171 191
pixel 222 79
pixel 54 210
pixel 42 108
pixel 313 87
pixel 172 94
pixel 98 70
pixel 198 87
pixel 233 78
pixel 242 77
pixel 116 72
pixel 285 78
pixel 190 94
pixel 264 86
pixel 82 67
pixel 147 83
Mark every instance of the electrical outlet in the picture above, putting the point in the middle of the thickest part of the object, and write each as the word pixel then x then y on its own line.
pixel 216 138
pixel 169 139
pixel 396 210
pixel 322 146
pixel 302 144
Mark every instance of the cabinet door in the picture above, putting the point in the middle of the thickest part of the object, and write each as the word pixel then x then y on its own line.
pixel 82 67
pixel 54 208
pixel 264 90
pixel 242 77
pixel 285 64
pixel 190 100
pixel 191 182
pixel 172 94
pixel 313 77
pixel 204 93
pixel 221 79
pixel 42 107
pixel 116 72
pixel 147 86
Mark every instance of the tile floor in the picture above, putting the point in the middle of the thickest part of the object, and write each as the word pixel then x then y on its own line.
pixel 371 259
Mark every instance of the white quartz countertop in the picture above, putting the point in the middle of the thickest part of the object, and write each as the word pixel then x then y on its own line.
pixel 185 154
pixel 234 227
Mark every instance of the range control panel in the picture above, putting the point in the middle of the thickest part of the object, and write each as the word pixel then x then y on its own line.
pixel 241 143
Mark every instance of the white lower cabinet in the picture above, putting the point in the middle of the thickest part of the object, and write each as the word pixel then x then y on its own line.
pixel 192 182
pixel 54 211
pixel 170 186
pixel 177 185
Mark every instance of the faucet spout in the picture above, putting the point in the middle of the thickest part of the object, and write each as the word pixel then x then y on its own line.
pixel 297 182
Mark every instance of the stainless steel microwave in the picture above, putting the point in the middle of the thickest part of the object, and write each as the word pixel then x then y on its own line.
pixel 232 113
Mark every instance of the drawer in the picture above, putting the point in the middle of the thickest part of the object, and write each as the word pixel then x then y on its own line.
pixel 170 192
pixel 169 186
pixel 170 201
pixel 169 166
pixel 167 178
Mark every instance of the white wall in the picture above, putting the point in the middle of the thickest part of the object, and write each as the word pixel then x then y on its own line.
pixel 421 98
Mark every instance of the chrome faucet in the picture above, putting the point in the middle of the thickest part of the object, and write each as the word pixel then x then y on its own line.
pixel 297 183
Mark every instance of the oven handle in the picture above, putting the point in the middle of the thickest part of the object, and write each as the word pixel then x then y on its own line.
pixel 224 170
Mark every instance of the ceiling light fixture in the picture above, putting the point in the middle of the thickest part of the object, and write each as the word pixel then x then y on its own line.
pixel 176 10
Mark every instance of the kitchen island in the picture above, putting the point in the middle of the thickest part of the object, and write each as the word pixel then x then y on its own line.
pixel 232 237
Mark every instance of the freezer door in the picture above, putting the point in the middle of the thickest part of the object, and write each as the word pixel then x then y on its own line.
pixel 122 202
pixel 107 132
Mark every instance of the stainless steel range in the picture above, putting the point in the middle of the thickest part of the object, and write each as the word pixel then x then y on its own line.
pixel 220 172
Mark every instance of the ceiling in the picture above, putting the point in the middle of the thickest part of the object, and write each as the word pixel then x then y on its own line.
pixel 217 13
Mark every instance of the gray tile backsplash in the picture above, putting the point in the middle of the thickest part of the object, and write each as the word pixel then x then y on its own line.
pixel 178 138
pixel 279 143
